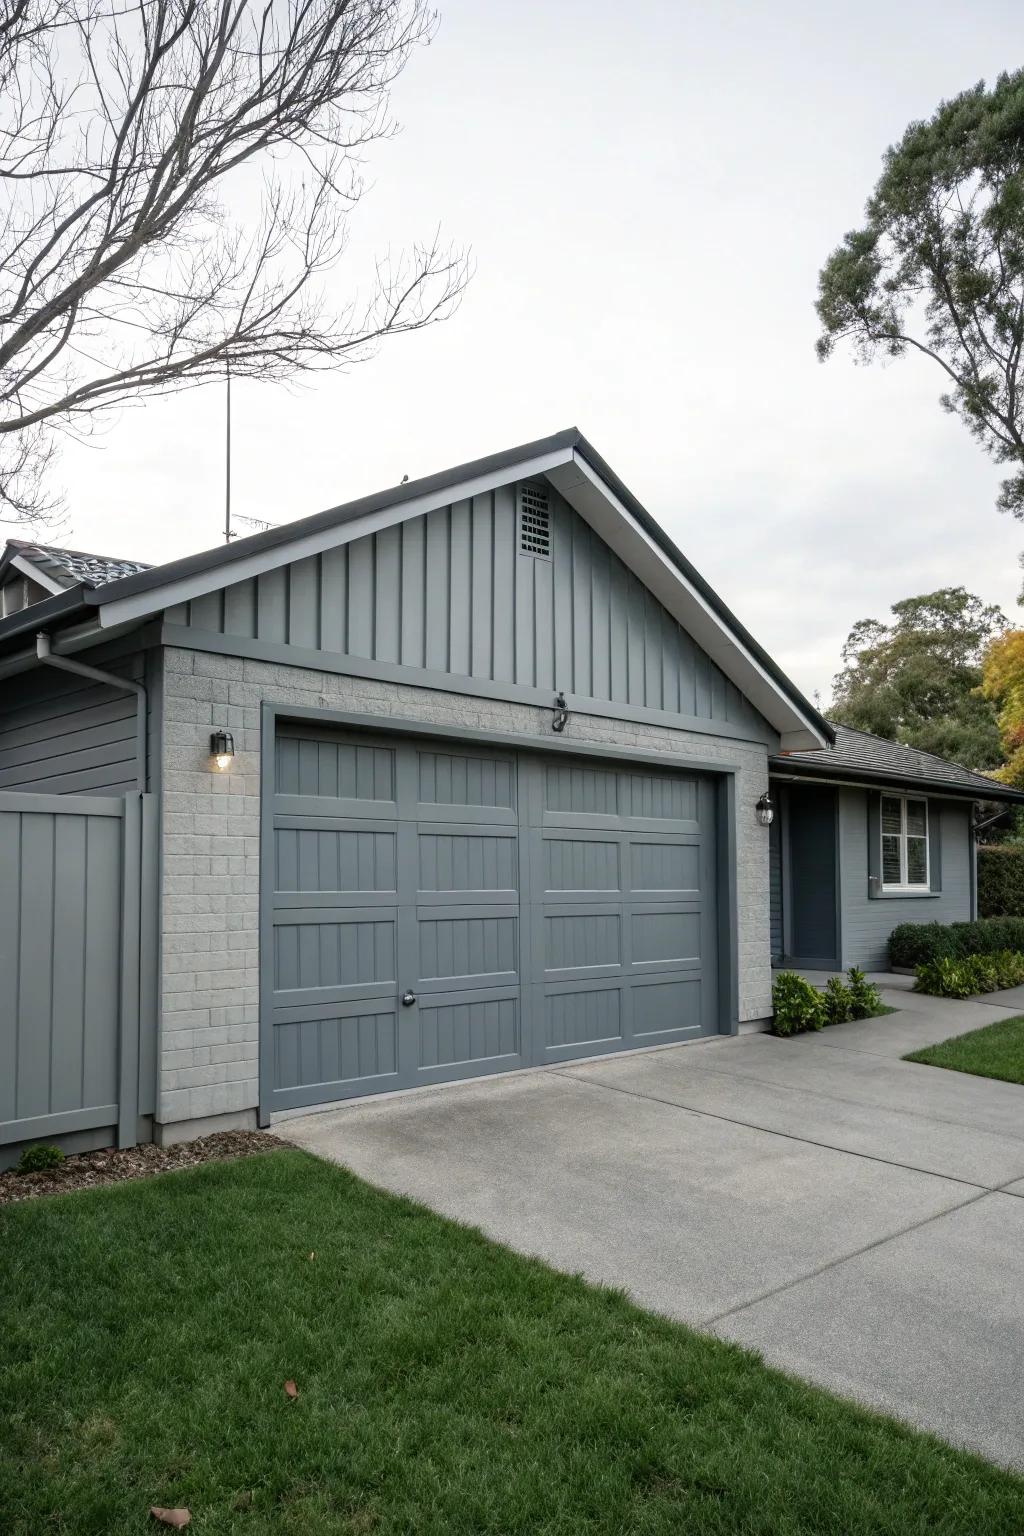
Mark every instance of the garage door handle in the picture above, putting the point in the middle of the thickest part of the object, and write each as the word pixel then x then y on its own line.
pixel 408 998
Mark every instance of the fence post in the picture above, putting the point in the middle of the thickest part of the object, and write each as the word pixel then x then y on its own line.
pixel 128 1052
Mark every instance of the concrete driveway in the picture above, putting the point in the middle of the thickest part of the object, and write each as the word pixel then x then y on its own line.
pixel 856 1219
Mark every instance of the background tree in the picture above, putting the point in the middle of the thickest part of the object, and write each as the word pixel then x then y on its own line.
pixel 174 176
pixel 938 266
pixel 1003 686
pixel 917 679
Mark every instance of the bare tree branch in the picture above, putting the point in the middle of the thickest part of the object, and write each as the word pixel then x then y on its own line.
pixel 131 133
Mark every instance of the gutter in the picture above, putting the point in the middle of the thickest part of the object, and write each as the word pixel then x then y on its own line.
pixel 45 655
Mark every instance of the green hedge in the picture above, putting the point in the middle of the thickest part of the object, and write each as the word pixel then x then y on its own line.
pixel 914 944
pixel 1001 881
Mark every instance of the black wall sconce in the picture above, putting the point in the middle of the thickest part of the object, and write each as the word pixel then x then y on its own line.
pixel 559 714
pixel 222 749
pixel 765 810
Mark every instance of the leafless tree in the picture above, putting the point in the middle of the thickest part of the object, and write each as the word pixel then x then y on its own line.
pixel 174 177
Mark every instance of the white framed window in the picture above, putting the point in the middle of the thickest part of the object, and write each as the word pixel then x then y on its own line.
pixel 905 853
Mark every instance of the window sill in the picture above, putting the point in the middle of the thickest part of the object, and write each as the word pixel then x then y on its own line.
pixel 921 895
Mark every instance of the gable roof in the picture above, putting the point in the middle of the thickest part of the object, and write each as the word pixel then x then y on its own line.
pixel 585 481
pixel 871 759
pixel 59 569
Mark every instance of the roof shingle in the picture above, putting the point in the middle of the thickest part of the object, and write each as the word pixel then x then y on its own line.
pixel 72 567
pixel 860 754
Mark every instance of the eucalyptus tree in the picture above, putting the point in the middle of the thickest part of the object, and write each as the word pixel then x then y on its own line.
pixel 937 268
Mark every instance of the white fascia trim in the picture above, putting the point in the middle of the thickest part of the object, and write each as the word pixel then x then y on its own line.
pixel 35 574
pixel 685 603
pixel 124 610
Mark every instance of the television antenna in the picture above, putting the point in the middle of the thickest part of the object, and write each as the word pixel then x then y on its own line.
pixel 259 523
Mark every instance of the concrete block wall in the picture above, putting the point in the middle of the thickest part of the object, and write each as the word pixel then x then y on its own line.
pixel 210 895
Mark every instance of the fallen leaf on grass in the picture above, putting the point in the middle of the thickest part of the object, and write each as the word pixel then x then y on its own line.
pixel 175 1517
pixel 312 1257
pixel 291 1390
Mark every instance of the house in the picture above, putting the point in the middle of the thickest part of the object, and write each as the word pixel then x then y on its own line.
pixel 869 834
pixel 466 776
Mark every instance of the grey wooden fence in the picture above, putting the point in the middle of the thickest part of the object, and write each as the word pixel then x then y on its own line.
pixel 77 936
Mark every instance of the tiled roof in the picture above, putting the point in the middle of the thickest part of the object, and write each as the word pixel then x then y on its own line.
pixel 70 567
pixel 857 753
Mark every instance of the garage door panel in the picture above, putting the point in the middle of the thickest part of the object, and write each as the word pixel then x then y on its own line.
pixel 469 1030
pixel 659 797
pixel 470 865
pixel 585 940
pixel 578 1015
pixel 665 936
pixel 465 787
pixel 335 1051
pixel 667 1008
pixel 579 789
pixel 346 860
pixel 313 950
pixel 330 768
pixel 661 864
pixel 582 864
pixel 462 949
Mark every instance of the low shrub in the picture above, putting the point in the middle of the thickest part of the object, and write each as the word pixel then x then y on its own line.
pixel 797 1005
pixel 913 944
pixel 962 977
pixel 865 998
pixel 40 1159
pixel 837 1002
pixel 1001 880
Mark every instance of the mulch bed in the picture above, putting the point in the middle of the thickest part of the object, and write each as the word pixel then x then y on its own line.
pixel 85 1170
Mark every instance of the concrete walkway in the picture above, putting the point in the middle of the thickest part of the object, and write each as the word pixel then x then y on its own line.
pixel 856 1219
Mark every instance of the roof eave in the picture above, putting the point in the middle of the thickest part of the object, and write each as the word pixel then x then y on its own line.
pixel 781 766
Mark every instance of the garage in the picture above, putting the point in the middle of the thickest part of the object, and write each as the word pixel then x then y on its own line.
pixel 440 910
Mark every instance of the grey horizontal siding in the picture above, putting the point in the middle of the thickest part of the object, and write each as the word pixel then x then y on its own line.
pixel 449 593
pixel 866 921
pixel 64 736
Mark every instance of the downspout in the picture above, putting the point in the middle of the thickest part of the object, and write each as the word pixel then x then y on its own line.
pixel 44 653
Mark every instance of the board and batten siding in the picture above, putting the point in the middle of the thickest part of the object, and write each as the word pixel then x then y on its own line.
pixel 449 593
pixel 867 921
pixel 775 887
pixel 62 735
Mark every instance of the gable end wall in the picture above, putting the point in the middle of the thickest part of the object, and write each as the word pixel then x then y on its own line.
pixel 446 594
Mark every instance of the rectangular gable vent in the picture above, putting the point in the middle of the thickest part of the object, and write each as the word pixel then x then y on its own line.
pixel 534 522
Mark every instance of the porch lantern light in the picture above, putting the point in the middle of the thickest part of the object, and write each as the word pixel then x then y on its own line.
pixel 559 714
pixel 222 749
pixel 765 810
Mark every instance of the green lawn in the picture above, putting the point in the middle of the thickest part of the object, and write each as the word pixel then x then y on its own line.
pixel 446 1385
pixel 997 1050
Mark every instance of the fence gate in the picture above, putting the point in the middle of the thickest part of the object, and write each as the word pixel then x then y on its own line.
pixel 76 957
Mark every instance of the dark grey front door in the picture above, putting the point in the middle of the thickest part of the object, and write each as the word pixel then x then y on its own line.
pixel 441 912
pixel 811 814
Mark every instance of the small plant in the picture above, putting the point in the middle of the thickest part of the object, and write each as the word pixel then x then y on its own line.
pixel 837 1002
pixel 865 998
pixel 40 1159
pixel 797 1005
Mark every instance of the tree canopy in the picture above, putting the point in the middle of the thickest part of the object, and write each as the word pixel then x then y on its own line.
pixel 1003 686
pixel 175 178
pixel 938 266
pixel 917 679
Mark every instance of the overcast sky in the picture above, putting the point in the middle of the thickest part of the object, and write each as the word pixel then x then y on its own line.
pixel 649 191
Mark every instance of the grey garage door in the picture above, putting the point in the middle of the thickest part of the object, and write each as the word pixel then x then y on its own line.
pixel 440 912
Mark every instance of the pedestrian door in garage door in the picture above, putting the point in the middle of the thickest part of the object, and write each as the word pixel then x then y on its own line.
pixel 441 911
